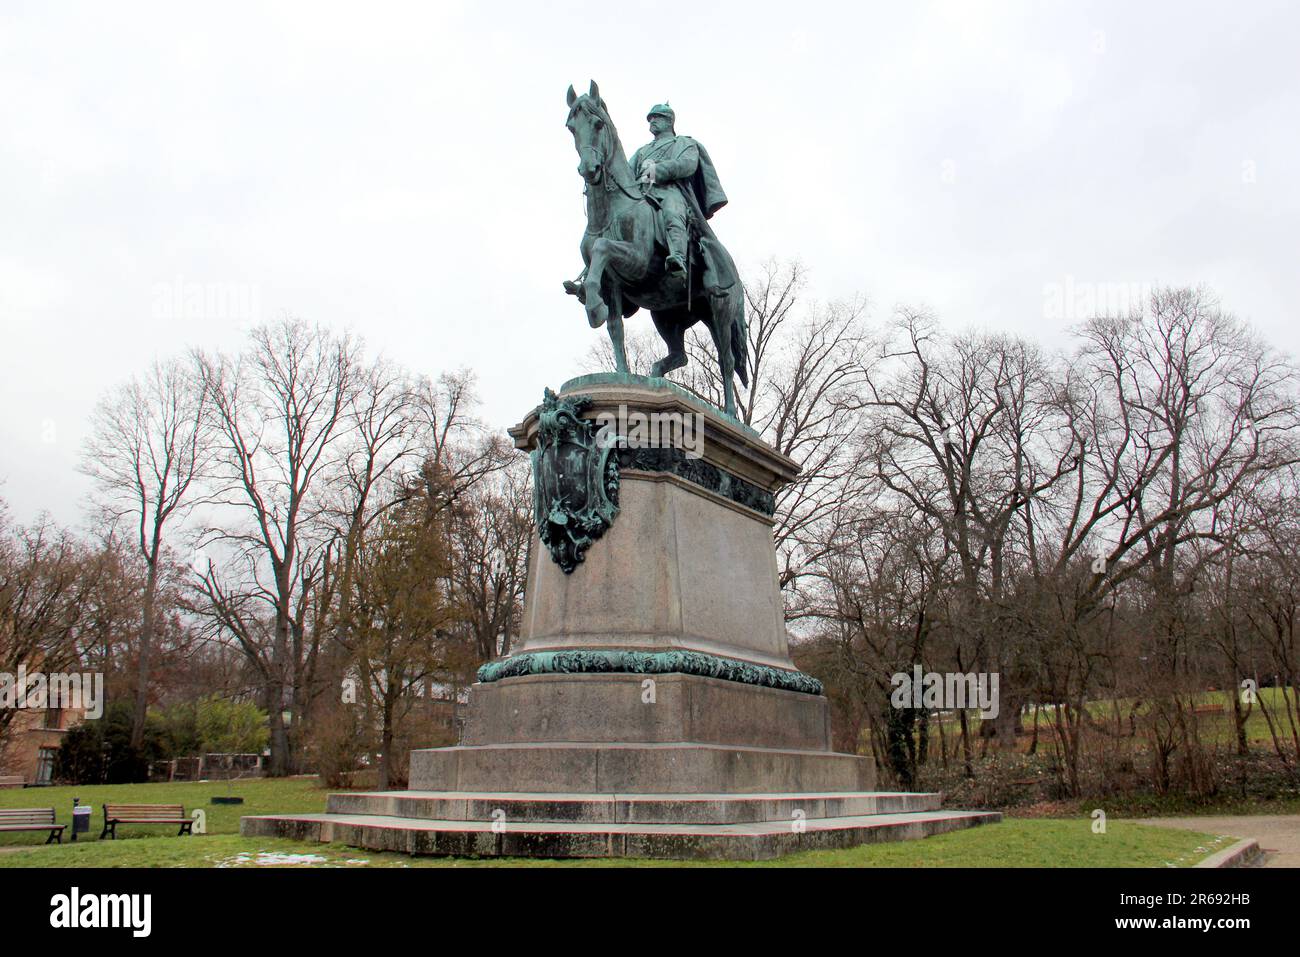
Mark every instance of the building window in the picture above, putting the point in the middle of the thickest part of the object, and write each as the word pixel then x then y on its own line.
pixel 45 765
pixel 53 719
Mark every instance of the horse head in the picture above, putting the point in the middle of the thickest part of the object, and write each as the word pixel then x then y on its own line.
pixel 593 132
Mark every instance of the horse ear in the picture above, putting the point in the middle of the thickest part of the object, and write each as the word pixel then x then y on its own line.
pixel 594 92
pixel 571 96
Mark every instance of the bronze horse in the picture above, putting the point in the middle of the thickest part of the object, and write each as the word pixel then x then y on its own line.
pixel 625 266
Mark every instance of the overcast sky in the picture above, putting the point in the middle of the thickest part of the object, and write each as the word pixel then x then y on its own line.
pixel 404 172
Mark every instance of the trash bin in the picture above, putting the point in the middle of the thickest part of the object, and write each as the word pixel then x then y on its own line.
pixel 80 819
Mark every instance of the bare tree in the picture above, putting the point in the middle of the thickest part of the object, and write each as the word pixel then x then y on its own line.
pixel 147 451
pixel 1172 413
pixel 280 410
pixel 460 450
pixel 959 433
pixel 46 576
pixel 381 439
pixel 490 534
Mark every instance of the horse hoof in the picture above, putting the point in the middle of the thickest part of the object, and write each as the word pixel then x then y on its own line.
pixel 667 364
pixel 596 315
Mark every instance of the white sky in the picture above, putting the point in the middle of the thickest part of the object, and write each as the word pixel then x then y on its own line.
pixel 404 172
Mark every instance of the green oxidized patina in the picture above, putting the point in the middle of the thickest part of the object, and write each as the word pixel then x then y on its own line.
pixel 659 383
pixel 649 243
pixel 575 480
pixel 606 661
pixel 673 461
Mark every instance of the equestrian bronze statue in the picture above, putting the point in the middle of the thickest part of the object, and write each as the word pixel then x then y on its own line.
pixel 649 244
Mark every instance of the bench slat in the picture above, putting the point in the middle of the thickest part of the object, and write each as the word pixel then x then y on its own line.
pixel 32 827
pixel 31 819
pixel 173 814
pixel 144 813
pixel 29 815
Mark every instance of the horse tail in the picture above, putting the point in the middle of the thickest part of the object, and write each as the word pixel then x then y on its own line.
pixel 739 334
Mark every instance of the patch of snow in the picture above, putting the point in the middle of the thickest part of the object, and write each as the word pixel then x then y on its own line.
pixel 272 859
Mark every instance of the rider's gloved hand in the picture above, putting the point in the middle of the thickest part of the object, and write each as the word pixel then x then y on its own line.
pixel 648 172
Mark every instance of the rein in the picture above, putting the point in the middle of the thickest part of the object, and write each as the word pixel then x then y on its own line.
pixel 605 155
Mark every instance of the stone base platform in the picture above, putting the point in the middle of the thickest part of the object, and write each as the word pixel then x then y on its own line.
pixel 612 708
pixel 627 808
pixel 636 768
pixel 654 826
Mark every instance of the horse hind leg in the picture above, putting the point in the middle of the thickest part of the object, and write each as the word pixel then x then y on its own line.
pixel 720 328
pixel 671 325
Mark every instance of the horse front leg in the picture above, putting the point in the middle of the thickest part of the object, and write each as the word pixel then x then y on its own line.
pixel 628 259
pixel 616 340
pixel 597 311
pixel 616 328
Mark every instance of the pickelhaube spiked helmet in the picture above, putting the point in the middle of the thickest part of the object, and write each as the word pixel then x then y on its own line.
pixel 662 109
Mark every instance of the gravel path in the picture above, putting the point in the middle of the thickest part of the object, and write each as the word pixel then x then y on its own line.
pixel 1278 834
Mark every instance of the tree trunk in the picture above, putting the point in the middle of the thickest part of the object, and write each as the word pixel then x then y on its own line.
pixel 1239 722
pixel 279 764
pixel 146 650
pixel 386 746
pixel 965 744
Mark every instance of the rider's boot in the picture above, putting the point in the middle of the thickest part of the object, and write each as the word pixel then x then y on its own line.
pixel 576 289
pixel 675 233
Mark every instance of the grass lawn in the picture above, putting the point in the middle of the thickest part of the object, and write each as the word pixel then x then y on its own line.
pixel 261 796
pixel 1021 842
pixel 1224 804
pixel 1013 843
pixel 1216 726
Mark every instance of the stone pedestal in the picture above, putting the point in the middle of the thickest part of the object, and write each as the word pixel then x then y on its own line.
pixel 685 577
pixel 650 706
pixel 689 563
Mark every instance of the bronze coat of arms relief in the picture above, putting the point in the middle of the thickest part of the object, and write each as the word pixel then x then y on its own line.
pixel 575 480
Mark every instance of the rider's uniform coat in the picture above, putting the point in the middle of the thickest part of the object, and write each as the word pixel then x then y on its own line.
pixel 681 163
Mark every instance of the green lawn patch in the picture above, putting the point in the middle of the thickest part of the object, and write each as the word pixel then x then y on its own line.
pixel 1018 842
pixel 261 796
pixel 1214 719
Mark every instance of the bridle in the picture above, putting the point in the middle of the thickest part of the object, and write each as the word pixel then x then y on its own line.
pixel 603 153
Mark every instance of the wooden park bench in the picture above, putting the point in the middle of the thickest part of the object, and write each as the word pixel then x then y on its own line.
pixel 115 814
pixel 32 819
pixel 11 780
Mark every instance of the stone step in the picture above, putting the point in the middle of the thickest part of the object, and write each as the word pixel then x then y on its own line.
pixel 743 841
pixel 627 808
pixel 609 768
